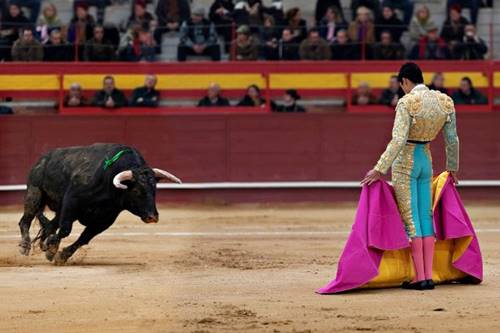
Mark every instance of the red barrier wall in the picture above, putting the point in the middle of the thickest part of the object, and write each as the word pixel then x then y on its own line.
pixel 253 147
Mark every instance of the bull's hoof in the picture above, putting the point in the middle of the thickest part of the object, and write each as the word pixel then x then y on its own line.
pixel 51 250
pixel 43 246
pixel 60 258
pixel 25 247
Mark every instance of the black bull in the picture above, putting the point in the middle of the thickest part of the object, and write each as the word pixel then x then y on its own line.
pixel 91 184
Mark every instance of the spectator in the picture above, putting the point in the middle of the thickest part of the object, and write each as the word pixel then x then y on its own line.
pixel 473 5
pixel 421 24
pixel 472 47
pixel 109 97
pixel 75 97
pixel 13 23
pixel 467 94
pixel 391 95
pixel 362 29
pixel 98 48
pixel 253 97
pixel 27 48
pixel 276 12
pixel 56 49
pixel 48 21
pixel 81 26
pixel 431 47
pixel 198 37
pixel 146 95
pixel 221 16
pixel 372 5
pixel 246 46
pixel 140 16
pixel 322 6
pixel 288 48
pixel 364 95
pixel 330 24
pixel 389 22
pixel 387 49
pixel 269 39
pixel 297 25
pixel 314 47
pixel 454 26
pixel 289 102
pixel 213 97
pixel 100 6
pixel 138 45
pixel 406 6
pixel 4 110
pixel 249 12
pixel 34 8
pixel 345 49
pixel 170 14
pixel 437 83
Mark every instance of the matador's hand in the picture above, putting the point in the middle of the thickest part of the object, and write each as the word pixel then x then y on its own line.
pixel 371 177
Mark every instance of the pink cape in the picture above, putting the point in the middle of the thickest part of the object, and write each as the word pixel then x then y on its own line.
pixel 378 233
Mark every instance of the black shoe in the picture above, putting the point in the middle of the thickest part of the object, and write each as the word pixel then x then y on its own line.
pixel 419 285
pixel 428 284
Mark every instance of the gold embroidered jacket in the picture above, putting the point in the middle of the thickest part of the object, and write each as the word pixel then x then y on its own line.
pixel 420 116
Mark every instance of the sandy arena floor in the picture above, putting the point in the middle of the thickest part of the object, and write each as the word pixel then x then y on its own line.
pixel 241 268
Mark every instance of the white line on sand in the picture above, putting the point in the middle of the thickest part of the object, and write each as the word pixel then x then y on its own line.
pixel 229 233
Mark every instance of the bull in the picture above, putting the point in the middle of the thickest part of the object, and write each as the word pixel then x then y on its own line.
pixel 91 184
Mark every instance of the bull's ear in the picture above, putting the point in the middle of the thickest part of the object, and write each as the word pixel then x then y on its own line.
pixel 162 174
pixel 123 176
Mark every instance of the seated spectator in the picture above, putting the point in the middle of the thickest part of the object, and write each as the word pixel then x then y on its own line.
pixel 170 15
pixel 34 9
pixel 322 6
pixel 75 97
pixel 140 16
pixel 363 96
pixel 431 47
pixel 467 94
pixel 296 24
pixel 100 6
pixel 276 12
pixel 421 24
pixel 406 6
pixel 56 49
pixel 48 21
pixel 198 37
pixel 331 24
pixel 387 49
pixel 146 95
pixel 345 49
pixel 362 29
pixel 138 45
pixel 255 15
pixel 288 48
pixel 314 47
pixel 4 110
pixel 473 5
pixel 27 48
pixel 454 26
pixel 372 5
pixel 253 97
pixel 246 46
pixel 13 23
pixel 289 102
pixel 213 97
pixel 98 48
pixel 81 26
pixel 391 95
pixel 109 97
pixel 472 47
pixel 269 40
pixel 437 83
pixel 220 15
pixel 389 22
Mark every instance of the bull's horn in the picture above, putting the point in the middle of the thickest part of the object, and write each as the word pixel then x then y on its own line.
pixel 159 173
pixel 122 176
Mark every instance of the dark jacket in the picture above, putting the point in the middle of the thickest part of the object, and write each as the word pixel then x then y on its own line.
pixel 323 28
pixel 83 101
pixel 288 108
pixel 475 97
pixel 15 24
pixel 470 49
pixel 394 25
pixel 205 29
pixel 216 18
pixel 393 51
pixel 164 16
pixel 288 50
pixel 426 50
pixel 98 51
pixel 454 32
pixel 143 96
pixel 206 102
pixel 22 51
pixel 247 101
pixel 322 6
pixel 388 95
pixel 310 50
pixel 351 51
pixel 118 97
pixel 61 52
pixel 73 29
